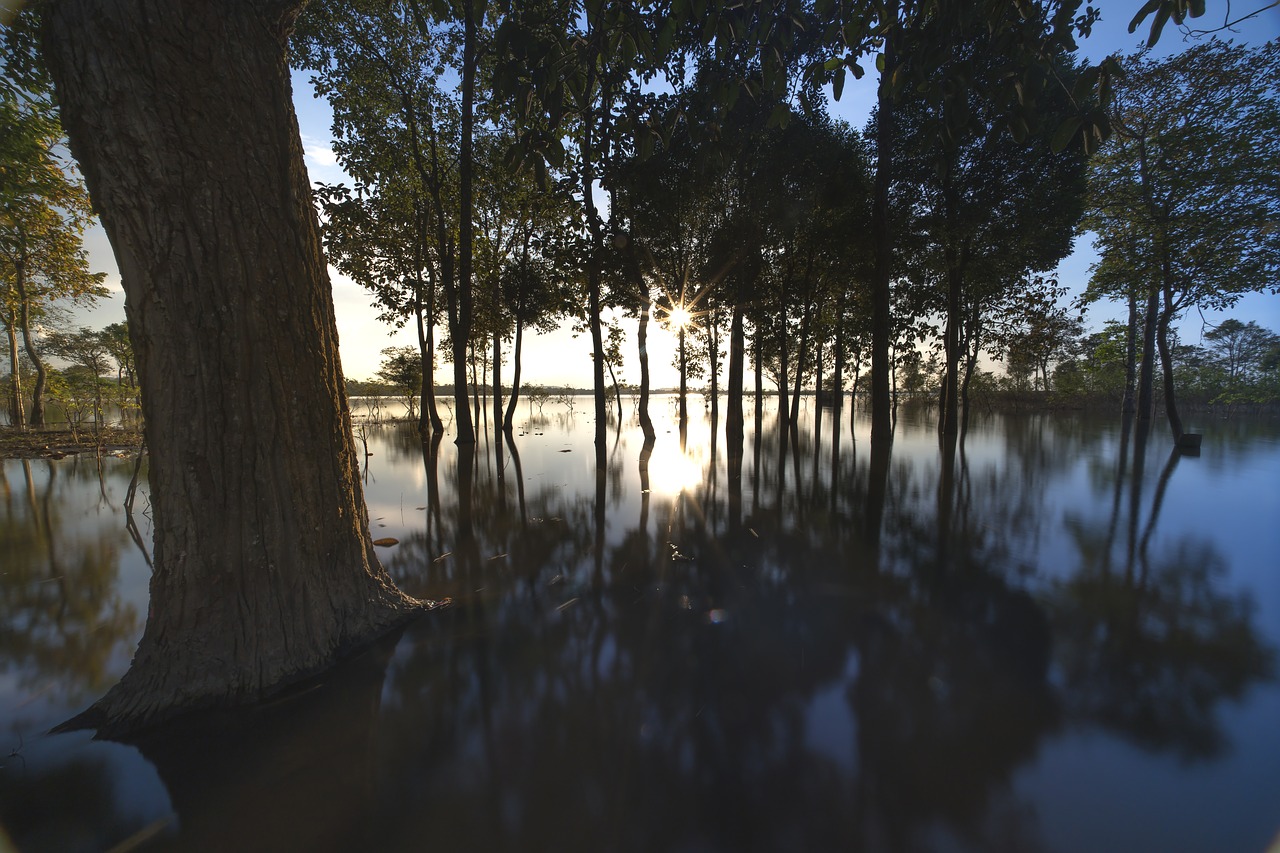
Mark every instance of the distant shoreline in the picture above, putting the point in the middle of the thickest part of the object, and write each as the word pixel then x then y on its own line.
pixel 60 442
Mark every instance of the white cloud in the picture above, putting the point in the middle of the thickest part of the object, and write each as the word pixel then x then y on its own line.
pixel 318 152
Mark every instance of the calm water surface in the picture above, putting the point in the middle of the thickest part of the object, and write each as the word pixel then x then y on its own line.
pixel 1051 643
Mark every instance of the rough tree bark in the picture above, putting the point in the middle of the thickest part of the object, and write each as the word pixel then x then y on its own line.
pixel 182 119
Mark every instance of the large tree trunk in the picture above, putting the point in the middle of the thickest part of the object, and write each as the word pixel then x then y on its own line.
pixel 182 119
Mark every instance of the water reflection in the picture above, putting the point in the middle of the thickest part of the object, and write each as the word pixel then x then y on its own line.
pixel 800 641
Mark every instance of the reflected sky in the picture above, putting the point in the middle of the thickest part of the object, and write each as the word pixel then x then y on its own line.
pixel 1048 640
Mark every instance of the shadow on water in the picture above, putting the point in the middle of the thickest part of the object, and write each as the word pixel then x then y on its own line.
pixel 769 644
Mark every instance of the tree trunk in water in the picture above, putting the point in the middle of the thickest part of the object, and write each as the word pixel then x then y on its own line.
pixel 17 409
pixel 837 379
pixel 802 356
pixel 642 341
pixel 1130 357
pixel 1146 376
pixel 949 417
pixel 264 567
pixel 509 420
pixel 684 373
pixel 428 417
pixel 784 374
pixel 759 370
pixel 970 364
pixel 733 426
pixel 42 372
pixel 461 315
pixel 881 425
pixel 497 383
pixel 1166 366
pixel 714 333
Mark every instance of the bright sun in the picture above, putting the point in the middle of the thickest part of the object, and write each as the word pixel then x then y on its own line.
pixel 679 317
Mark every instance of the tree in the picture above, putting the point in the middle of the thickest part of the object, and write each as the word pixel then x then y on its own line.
pixel 1184 199
pixel 567 71
pixel 1241 349
pixel 88 349
pixel 44 211
pixel 914 37
pixel 396 231
pixel 264 566
pixel 402 369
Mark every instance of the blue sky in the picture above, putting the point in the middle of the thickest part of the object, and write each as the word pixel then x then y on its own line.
pixel 560 358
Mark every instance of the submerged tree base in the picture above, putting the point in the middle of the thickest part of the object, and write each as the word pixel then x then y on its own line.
pixel 159 688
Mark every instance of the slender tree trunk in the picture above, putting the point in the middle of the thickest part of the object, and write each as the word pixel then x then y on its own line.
pixel 837 379
pixel 1166 365
pixel 617 391
pixel 642 342
pixel 684 384
pixel 1128 404
pixel 462 332
pixel 784 373
pixel 802 356
pixel 17 407
pixel 428 417
pixel 1146 374
pixel 881 412
pixel 713 335
pixel 949 416
pixel 42 372
pixel 759 371
pixel 264 567
pixel 972 349
pixel 817 400
pixel 733 419
pixel 497 381
pixel 516 356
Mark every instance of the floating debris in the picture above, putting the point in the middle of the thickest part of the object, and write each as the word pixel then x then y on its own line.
pixel 386 542
pixel 717 616
pixel 442 556
pixel 567 605
pixel 497 556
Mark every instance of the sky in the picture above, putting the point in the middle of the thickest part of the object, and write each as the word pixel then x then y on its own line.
pixel 562 359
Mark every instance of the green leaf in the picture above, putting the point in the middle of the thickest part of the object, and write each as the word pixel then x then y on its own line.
pixel 833 63
pixel 837 86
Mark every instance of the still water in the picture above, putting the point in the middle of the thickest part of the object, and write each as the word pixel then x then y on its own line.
pixel 1051 643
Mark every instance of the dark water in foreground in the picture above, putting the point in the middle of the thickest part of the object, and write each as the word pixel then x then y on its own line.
pixel 1047 649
